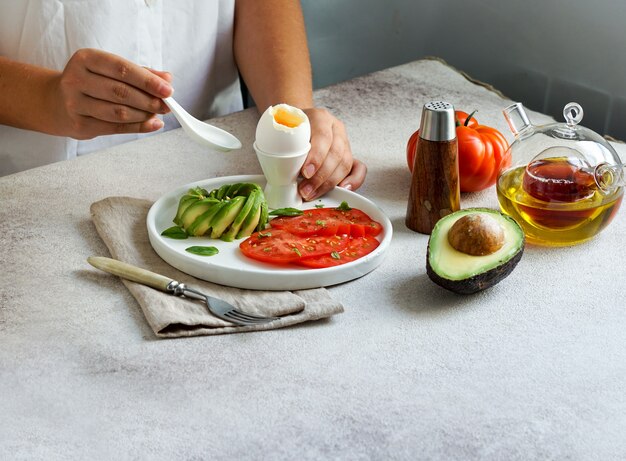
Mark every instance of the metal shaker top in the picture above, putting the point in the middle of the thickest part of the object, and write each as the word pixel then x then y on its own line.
pixel 438 122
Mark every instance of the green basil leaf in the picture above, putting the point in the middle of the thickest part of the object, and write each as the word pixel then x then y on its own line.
pixel 286 212
pixel 319 205
pixel 175 232
pixel 335 255
pixel 202 251
pixel 344 206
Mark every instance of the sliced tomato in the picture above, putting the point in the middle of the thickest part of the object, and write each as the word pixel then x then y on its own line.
pixel 354 217
pixel 326 221
pixel 343 228
pixel 357 248
pixel 280 246
pixel 308 223
pixel 357 230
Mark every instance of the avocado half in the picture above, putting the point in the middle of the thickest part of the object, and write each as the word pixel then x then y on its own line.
pixel 463 273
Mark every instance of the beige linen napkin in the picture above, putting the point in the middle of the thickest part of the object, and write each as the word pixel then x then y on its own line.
pixel 121 223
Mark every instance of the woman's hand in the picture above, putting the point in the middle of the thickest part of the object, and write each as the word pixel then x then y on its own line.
pixel 330 161
pixel 100 93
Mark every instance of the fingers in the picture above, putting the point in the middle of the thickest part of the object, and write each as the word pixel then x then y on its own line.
pixel 90 127
pixel 109 112
pixel 100 90
pixel 119 93
pixel 122 70
pixel 330 160
pixel 163 74
pixel 355 179
pixel 168 78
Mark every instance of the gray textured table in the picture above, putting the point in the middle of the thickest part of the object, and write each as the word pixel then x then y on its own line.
pixel 534 368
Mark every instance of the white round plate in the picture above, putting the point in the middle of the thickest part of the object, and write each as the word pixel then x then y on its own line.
pixel 231 268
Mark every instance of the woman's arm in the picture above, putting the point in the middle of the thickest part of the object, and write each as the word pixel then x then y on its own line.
pixel 273 57
pixel 272 53
pixel 25 96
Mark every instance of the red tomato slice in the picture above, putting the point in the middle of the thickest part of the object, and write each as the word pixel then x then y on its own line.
pixel 353 217
pixel 308 223
pixel 328 221
pixel 357 230
pixel 357 248
pixel 343 228
pixel 280 247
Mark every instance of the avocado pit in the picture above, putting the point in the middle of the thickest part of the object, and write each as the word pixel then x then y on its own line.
pixel 476 234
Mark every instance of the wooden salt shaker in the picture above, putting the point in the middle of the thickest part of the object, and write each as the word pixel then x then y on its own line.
pixel 434 189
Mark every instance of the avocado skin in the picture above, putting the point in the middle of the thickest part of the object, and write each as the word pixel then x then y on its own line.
pixel 478 282
pixel 482 280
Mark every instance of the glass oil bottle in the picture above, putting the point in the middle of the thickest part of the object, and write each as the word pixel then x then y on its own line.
pixel 565 182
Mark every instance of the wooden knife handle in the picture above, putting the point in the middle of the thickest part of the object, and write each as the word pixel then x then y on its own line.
pixel 130 272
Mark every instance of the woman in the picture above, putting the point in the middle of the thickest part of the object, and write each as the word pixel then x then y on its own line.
pixel 78 76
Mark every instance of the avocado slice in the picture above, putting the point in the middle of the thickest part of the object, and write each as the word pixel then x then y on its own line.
pixel 228 191
pixel 233 230
pixel 226 216
pixel 251 220
pixel 194 210
pixel 202 223
pixel 193 195
pixel 465 273
pixel 244 188
pixel 221 192
pixel 265 213
pixel 185 202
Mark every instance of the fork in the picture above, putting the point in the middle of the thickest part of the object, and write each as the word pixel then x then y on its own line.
pixel 217 307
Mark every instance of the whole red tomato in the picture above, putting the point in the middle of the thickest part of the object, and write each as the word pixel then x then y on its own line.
pixel 481 150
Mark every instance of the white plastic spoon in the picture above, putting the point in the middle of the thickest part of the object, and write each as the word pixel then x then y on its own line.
pixel 202 132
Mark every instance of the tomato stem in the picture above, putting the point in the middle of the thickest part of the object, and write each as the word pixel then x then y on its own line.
pixel 469 117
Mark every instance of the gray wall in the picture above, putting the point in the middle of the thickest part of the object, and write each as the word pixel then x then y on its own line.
pixel 544 53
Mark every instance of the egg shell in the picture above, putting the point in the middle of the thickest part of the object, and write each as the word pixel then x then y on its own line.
pixel 274 138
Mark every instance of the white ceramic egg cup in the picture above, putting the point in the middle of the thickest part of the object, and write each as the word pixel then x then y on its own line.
pixel 281 173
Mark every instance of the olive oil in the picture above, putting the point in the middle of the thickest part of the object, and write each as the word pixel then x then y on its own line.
pixel 566 209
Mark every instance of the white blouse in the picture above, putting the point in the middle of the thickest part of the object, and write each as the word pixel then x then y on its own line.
pixel 191 39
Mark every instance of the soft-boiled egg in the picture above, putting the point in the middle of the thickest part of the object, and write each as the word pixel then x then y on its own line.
pixel 282 144
pixel 283 130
